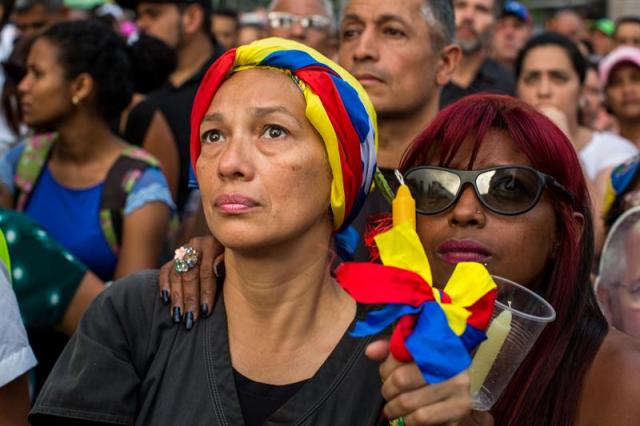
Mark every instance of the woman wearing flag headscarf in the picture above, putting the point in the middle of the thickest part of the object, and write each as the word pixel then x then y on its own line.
pixel 283 145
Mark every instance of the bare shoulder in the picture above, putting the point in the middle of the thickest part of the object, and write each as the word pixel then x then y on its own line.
pixel 611 388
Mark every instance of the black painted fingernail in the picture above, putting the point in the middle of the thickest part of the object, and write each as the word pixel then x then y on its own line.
pixel 188 320
pixel 177 315
pixel 164 295
pixel 204 309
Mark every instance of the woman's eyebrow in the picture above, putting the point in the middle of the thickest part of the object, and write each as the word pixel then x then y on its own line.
pixel 263 111
pixel 213 117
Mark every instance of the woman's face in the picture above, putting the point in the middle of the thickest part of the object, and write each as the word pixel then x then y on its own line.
pixel 548 79
pixel 514 247
pixel 263 171
pixel 45 94
pixel 623 91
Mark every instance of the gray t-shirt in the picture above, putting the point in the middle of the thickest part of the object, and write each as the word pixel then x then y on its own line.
pixel 129 364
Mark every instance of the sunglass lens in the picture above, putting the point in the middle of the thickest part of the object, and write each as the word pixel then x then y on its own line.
pixel 509 190
pixel 433 190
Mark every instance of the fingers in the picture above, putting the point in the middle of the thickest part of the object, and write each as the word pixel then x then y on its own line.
pixel 404 377
pixel 164 281
pixel 175 283
pixel 378 350
pixel 207 284
pixel 445 402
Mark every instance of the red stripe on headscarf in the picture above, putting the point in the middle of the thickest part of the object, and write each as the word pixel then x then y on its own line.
pixel 322 84
pixel 208 88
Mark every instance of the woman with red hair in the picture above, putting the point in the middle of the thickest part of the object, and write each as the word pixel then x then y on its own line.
pixel 496 182
pixel 525 214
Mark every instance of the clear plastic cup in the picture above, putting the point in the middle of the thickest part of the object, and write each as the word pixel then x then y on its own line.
pixel 518 318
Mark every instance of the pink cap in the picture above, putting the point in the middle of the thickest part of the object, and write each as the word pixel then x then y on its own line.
pixel 617 56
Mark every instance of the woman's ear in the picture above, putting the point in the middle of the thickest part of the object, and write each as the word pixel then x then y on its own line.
pixel 579 220
pixel 81 88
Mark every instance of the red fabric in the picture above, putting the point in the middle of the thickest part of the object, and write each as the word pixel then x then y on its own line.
pixel 401 332
pixel 481 311
pixel 372 283
pixel 322 84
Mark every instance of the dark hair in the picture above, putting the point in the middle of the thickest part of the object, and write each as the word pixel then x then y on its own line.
pixel 92 47
pixel 546 387
pixel 152 61
pixel 229 13
pixel 15 68
pixel 628 19
pixel 578 61
pixel 49 5
pixel 7 9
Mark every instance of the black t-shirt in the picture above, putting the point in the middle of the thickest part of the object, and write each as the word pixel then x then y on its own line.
pixel 129 364
pixel 175 103
pixel 491 77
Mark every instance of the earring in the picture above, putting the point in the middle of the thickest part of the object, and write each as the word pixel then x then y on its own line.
pixel 75 101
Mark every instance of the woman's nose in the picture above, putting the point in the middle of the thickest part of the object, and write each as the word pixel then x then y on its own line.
pixel 468 210
pixel 235 161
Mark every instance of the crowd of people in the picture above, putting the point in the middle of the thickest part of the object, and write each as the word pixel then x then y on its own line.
pixel 248 143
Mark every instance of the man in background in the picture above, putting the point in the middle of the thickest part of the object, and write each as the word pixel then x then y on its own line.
pixel 311 22
pixel 476 72
pixel 513 29
pixel 184 25
pixel 627 31
pixel 31 16
pixel 225 26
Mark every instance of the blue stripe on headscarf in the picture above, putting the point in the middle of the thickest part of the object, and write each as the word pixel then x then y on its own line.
pixel 292 60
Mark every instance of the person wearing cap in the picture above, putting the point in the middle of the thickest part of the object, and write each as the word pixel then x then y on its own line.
pixel 283 144
pixel 627 31
pixel 602 37
pixel 184 25
pixel 620 78
pixel 476 72
pixel 513 29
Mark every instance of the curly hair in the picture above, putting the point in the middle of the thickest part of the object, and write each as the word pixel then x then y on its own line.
pixel 93 48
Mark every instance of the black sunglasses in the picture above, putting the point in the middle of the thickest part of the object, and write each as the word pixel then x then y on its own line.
pixel 506 190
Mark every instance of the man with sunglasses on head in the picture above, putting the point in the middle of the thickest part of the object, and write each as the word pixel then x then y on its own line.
pixel 310 22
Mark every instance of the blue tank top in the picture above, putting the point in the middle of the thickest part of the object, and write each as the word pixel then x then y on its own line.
pixel 71 217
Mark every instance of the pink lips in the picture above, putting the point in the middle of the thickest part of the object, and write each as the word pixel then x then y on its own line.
pixel 234 203
pixel 456 251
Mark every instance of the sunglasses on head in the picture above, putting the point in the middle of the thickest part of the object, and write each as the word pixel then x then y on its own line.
pixel 286 20
pixel 506 190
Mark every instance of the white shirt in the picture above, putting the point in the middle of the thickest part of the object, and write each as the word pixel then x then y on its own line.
pixel 16 356
pixel 603 151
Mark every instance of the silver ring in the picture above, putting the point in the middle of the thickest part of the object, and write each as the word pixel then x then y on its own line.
pixel 185 258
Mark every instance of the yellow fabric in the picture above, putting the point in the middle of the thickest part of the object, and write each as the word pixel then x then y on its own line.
pixel 4 255
pixel 400 247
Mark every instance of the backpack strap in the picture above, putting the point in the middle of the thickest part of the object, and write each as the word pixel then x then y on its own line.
pixel 30 165
pixel 120 180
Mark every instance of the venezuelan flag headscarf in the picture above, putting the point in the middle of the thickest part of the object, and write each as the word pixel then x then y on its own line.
pixel 337 107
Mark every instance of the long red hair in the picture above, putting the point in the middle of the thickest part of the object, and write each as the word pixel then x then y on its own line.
pixel 546 387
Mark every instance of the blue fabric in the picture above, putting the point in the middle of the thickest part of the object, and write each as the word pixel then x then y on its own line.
pixel 439 353
pixel 472 337
pixel 151 187
pixel 347 242
pixel 376 321
pixel 623 175
pixel 435 348
pixel 8 166
pixel 70 216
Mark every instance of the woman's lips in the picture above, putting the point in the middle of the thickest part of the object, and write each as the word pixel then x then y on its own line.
pixel 456 251
pixel 234 203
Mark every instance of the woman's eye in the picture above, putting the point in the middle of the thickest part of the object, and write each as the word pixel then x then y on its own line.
pixel 274 132
pixel 211 136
